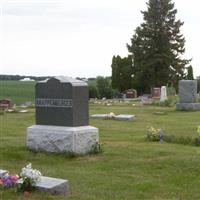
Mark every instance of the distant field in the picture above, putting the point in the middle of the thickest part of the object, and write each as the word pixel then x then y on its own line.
pixel 18 91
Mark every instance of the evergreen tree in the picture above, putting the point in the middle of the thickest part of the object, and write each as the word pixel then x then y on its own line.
pixel 190 73
pixel 104 87
pixel 157 47
pixel 115 73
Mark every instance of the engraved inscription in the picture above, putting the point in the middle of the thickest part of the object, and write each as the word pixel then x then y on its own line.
pixel 54 103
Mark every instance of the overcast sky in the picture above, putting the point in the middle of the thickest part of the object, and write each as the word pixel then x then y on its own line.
pixel 78 37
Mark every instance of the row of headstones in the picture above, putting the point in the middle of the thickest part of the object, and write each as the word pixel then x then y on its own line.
pixel 53 186
pixel 187 95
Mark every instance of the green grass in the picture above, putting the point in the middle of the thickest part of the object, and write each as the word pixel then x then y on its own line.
pixel 18 91
pixel 129 167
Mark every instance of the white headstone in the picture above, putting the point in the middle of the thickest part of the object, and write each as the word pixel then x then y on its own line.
pixel 163 95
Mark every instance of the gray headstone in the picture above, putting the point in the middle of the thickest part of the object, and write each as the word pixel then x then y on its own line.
pixel 3 173
pixel 54 186
pixel 62 101
pixel 163 95
pixel 188 91
pixel 188 106
pixel 100 116
pixel 123 117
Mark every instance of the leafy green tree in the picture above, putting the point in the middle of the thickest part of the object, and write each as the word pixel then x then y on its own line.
pixel 93 92
pixel 122 71
pixel 104 87
pixel 157 47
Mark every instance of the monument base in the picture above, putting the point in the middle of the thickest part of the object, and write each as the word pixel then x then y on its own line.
pixel 61 139
pixel 188 106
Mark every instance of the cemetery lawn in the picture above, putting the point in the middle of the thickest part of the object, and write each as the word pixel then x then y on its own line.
pixel 129 166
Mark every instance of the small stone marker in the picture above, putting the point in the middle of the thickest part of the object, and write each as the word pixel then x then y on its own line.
pixel 121 117
pixel 130 93
pixel 125 117
pixel 62 118
pixel 163 96
pixel 156 92
pixel 3 173
pixel 146 100
pixel 188 95
pixel 6 103
pixel 23 111
pixel 54 186
pixel 100 116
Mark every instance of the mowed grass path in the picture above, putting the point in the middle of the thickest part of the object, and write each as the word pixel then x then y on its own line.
pixel 129 167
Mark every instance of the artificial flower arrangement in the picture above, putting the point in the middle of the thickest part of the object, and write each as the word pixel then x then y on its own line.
pixel 29 178
pixel 198 130
pixel 154 134
pixel 26 181
pixel 8 181
pixel 198 137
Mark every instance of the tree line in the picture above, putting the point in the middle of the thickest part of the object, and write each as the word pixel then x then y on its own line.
pixel 19 77
pixel 155 53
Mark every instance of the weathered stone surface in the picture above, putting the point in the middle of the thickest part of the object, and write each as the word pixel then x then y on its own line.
pixel 112 116
pixel 187 91
pixel 163 95
pixel 100 116
pixel 54 186
pixel 125 117
pixel 156 92
pixel 62 101
pixel 59 139
pixel 3 173
pixel 188 106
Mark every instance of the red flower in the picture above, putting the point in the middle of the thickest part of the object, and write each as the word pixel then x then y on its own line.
pixel 14 178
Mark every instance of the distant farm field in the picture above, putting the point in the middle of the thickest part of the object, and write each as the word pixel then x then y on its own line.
pixel 18 91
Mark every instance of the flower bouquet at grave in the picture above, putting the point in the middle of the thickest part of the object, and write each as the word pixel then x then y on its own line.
pixel 29 178
pixel 8 181
pixel 154 134
pixel 198 137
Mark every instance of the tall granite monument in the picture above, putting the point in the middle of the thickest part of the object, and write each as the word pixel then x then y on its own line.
pixel 62 117
pixel 187 95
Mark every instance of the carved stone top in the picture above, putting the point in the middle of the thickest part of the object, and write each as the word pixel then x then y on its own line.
pixel 66 79
pixel 61 101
